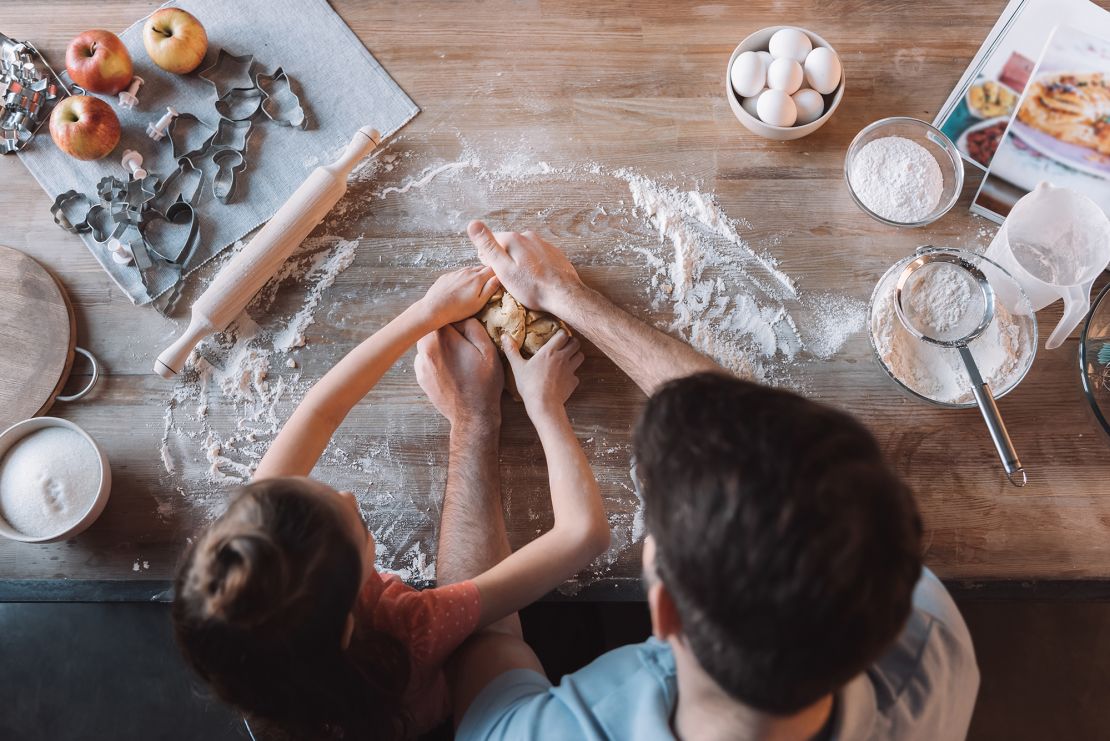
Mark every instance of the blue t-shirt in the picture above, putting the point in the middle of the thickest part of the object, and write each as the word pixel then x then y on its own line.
pixel 924 688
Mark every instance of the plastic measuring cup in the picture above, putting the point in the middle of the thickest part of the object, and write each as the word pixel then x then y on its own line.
pixel 1054 243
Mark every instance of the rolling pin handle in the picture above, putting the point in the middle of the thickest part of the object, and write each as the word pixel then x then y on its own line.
pixel 364 140
pixel 173 358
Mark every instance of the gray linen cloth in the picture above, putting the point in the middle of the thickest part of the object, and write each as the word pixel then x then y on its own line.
pixel 342 87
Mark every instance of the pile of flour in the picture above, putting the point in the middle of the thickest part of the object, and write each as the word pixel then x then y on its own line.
pixel 944 302
pixel 897 179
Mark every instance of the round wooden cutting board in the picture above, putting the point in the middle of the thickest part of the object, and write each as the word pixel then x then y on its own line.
pixel 37 337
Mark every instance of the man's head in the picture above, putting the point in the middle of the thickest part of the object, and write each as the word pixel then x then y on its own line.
pixel 785 549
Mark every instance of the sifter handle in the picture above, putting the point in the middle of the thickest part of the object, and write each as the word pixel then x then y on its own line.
pixel 1015 472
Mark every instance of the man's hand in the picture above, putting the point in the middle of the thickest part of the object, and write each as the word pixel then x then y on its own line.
pixel 460 372
pixel 535 272
pixel 541 277
pixel 546 380
pixel 458 295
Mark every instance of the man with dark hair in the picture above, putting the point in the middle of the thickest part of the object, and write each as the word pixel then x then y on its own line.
pixel 782 564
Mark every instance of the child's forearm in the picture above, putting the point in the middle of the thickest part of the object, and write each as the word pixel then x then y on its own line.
pixel 580 533
pixel 575 497
pixel 305 436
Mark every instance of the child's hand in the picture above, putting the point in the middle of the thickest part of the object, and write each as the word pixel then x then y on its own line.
pixel 546 380
pixel 458 295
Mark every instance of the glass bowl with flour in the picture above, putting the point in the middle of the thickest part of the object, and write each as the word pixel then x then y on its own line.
pixel 903 172
pixel 54 480
pixel 1004 352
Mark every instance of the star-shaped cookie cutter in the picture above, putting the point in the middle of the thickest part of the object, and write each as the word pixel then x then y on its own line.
pixel 229 72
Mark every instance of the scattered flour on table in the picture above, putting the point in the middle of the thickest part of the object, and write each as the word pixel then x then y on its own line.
pixel 716 290
pixel 897 178
pixel 240 377
pixel 48 481
pixel 321 274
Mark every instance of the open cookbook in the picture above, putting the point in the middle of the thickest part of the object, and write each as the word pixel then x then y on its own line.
pixel 980 106
pixel 1034 105
pixel 1060 132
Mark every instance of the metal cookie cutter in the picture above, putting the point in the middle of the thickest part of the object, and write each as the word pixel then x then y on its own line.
pixel 107 231
pixel 229 73
pixel 228 154
pixel 232 135
pixel 169 236
pixel 180 214
pixel 111 189
pixel 28 88
pixel 71 211
pixel 183 184
pixel 238 104
pixel 229 163
pixel 185 138
pixel 280 104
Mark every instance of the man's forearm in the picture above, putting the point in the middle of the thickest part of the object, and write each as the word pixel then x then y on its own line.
pixel 472 537
pixel 648 356
pixel 472 534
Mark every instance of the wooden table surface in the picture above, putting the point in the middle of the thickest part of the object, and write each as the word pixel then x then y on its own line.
pixel 623 85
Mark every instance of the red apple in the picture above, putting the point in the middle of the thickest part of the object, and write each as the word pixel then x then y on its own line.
pixel 98 61
pixel 175 40
pixel 84 127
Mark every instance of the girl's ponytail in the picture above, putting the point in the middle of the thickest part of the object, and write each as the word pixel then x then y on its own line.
pixel 261 604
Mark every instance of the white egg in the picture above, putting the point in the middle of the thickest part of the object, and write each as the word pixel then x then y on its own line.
pixel 766 57
pixel 776 108
pixel 748 74
pixel 823 70
pixel 785 75
pixel 790 43
pixel 749 103
pixel 810 106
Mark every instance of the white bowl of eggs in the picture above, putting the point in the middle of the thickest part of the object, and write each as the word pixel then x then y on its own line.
pixel 784 82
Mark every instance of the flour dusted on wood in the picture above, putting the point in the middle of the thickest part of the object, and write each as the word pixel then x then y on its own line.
pixel 724 295
pixel 897 179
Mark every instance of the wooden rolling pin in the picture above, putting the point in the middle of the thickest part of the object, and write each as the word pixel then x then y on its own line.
pixel 256 263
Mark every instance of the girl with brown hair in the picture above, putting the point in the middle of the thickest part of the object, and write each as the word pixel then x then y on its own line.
pixel 278 604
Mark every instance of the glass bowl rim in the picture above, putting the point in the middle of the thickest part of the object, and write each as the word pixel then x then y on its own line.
pixel 949 146
pixel 1088 392
pixel 927 249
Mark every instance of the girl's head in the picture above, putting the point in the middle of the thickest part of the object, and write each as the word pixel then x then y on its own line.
pixel 264 612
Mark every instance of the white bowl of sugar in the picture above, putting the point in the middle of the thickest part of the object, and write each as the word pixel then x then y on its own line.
pixel 54 480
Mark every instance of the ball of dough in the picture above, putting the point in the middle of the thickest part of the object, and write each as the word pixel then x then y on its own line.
pixel 503 314
pixel 538 329
pixel 529 329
